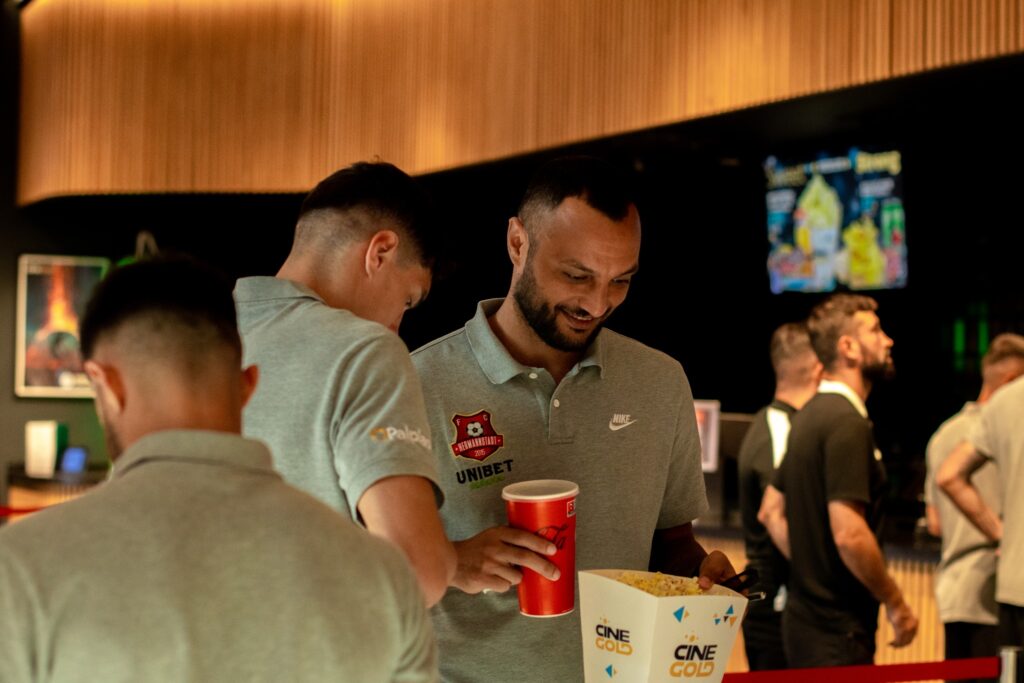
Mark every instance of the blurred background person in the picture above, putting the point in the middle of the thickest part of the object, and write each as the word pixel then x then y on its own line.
pixel 965 588
pixel 825 503
pixel 797 372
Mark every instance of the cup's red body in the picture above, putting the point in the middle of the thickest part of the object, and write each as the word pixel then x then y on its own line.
pixel 555 520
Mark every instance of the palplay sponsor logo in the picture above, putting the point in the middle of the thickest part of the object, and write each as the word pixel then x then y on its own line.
pixel 404 434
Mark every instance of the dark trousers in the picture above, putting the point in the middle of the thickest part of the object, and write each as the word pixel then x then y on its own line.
pixel 840 641
pixel 762 638
pixel 1011 625
pixel 964 641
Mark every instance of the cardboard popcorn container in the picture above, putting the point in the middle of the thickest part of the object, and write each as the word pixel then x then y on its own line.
pixel 631 636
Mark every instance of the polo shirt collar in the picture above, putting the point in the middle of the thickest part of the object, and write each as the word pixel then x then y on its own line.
pixel 263 287
pixel 498 364
pixel 828 386
pixel 194 445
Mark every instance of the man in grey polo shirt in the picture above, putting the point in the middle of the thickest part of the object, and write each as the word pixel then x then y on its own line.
pixel 339 402
pixel 195 562
pixel 533 388
pixel 997 435
pixel 965 579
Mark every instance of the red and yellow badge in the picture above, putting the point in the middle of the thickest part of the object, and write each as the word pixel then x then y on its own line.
pixel 475 436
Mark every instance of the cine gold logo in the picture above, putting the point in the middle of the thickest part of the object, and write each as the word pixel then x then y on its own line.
pixel 693 661
pixel 613 639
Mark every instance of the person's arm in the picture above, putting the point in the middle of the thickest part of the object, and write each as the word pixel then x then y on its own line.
pixel 931 516
pixel 18 626
pixel 954 478
pixel 773 516
pixel 859 551
pixel 490 561
pixel 677 551
pixel 403 510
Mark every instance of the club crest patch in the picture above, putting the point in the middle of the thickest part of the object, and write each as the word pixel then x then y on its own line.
pixel 475 437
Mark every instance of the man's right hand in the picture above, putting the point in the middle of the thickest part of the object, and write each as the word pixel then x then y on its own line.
pixel 491 559
pixel 904 623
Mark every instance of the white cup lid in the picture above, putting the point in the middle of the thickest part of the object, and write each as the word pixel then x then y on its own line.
pixel 540 489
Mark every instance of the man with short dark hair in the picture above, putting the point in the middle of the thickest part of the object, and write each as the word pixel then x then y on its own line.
pixel 824 506
pixel 797 371
pixel 965 578
pixel 339 402
pixel 533 387
pixel 195 561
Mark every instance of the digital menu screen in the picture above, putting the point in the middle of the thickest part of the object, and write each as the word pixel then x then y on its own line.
pixel 836 221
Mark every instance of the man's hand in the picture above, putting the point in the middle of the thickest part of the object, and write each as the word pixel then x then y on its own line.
pixel 904 623
pixel 491 559
pixel 715 568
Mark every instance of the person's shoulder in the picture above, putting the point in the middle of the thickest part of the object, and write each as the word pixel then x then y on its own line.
pixel 440 347
pixel 1008 399
pixel 636 356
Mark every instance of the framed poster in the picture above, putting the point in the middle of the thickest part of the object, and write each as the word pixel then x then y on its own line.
pixel 52 293
pixel 708 413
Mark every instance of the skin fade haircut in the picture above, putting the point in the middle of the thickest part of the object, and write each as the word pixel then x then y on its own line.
pixel 352 203
pixel 178 298
pixel 789 350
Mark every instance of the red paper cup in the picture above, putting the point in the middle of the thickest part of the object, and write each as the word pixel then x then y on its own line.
pixel 547 508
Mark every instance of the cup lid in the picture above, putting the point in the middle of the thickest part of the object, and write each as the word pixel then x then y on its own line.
pixel 539 490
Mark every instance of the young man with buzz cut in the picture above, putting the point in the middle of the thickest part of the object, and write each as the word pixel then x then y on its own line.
pixel 339 402
pixel 195 561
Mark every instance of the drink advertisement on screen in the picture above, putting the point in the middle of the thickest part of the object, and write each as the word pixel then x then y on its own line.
pixel 836 221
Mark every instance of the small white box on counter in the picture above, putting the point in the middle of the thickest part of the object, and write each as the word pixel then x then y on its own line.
pixel 630 636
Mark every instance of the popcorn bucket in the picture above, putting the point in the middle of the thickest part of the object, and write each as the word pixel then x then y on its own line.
pixel 631 636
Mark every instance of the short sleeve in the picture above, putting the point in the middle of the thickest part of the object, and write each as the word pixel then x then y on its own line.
pixel 685 497
pixel 931 463
pixel 380 427
pixel 982 434
pixel 849 453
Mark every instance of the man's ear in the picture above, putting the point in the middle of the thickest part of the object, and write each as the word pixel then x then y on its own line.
pixel 250 378
pixel 382 248
pixel 109 385
pixel 518 242
pixel 848 347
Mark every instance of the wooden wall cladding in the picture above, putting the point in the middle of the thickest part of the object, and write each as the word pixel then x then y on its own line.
pixel 125 96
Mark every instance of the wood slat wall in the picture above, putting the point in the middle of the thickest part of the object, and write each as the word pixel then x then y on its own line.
pixel 264 95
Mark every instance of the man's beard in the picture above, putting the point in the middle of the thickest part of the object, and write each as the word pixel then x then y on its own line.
pixel 543 319
pixel 880 370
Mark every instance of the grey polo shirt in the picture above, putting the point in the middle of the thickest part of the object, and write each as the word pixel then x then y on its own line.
pixel 965 580
pixel 999 434
pixel 338 400
pixel 196 562
pixel 621 424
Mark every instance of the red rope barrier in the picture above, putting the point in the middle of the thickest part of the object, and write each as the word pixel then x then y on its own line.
pixel 950 670
pixel 7 512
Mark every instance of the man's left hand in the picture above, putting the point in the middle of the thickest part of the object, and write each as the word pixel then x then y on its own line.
pixel 715 568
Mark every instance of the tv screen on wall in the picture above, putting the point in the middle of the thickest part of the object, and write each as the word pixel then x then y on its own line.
pixel 836 221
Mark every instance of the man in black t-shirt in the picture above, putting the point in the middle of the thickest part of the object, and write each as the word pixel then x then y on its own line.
pixel 797 371
pixel 824 507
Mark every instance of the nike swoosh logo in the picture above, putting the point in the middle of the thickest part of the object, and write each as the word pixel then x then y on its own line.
pixel 616 427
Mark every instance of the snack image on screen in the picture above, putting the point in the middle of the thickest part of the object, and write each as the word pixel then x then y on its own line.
pixel 836 221
pixel 661 585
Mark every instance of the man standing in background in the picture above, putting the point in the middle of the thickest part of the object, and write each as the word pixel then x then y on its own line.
pixel 824 505
pixel 339 402
pixel 966 576
pixel 797 372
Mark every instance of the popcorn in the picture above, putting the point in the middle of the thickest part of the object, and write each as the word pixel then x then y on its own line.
pixel 661 585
